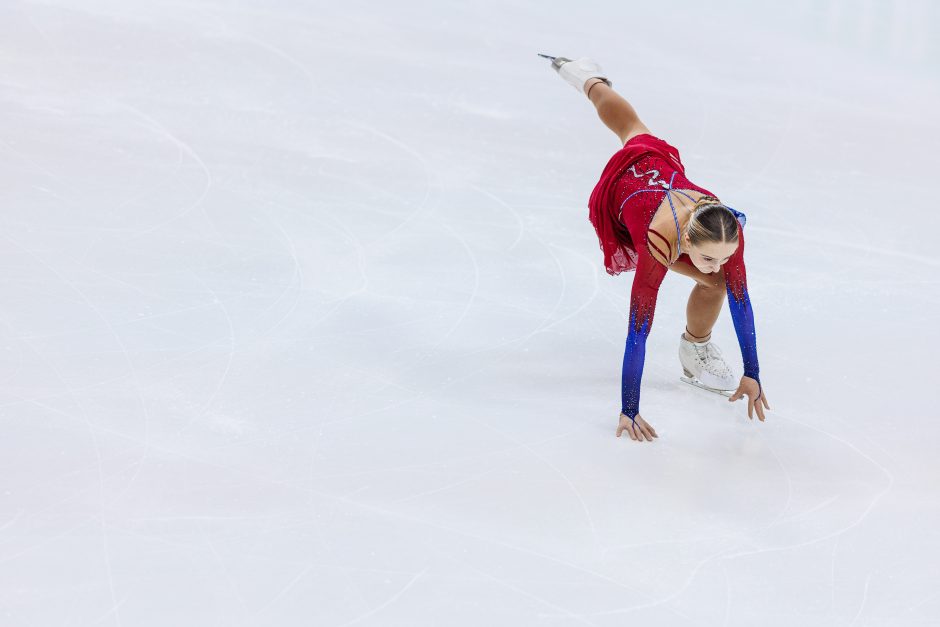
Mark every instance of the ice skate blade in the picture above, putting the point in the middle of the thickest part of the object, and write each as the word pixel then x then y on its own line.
pixel 696 383
pixel 557 62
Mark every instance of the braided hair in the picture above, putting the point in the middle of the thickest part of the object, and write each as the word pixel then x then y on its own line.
pixel 711 221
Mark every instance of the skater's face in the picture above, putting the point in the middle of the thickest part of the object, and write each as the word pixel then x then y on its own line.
pixel 710 256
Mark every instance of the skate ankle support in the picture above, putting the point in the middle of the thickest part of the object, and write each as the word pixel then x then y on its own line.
pixel 599 81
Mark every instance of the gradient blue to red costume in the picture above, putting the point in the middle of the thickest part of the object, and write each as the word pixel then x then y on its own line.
pixel 743 317
pixel 634 183
pixel 742 314
pixel 634 356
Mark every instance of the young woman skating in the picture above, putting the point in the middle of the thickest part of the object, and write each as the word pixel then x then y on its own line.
pixel 650 218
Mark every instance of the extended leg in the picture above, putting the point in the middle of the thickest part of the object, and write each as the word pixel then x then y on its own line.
pixel 614 111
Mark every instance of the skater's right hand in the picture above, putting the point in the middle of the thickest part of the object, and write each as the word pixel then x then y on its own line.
pixel 637 431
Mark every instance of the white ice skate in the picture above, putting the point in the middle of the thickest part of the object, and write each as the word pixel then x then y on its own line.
pixel 577 72
pixel 705 368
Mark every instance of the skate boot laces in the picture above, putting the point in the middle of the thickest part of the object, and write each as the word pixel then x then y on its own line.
pixel 711 360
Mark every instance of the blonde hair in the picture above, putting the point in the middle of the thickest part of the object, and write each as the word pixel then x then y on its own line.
pixel 711 221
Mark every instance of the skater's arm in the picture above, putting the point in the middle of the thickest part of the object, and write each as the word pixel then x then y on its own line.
pixel 649 276
pixel 742 314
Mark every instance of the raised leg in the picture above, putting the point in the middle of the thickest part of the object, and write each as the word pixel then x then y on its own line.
pixel 614 111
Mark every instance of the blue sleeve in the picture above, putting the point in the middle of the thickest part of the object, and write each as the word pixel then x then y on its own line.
pixel 742 314
pixel 649 276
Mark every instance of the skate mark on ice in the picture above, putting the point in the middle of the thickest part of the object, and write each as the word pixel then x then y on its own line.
pixel 154 125
pixel 421 160
pixel 388 602
pixel 476 284
pixel 863 248
pixel 510 208
pixel 450 460
pixel 290 584
pixel 229 359
pixel 296 275
pixel 145 412
pixel 839 532
pixel 443 488
pixel 502 543
pixel 226 571
pixel 861 606
pixel 666 599
pixel 505 583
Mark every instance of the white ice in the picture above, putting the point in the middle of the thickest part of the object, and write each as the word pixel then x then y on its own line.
pixel 303 321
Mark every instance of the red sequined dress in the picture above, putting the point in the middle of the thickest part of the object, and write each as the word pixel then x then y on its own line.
pixel 634 183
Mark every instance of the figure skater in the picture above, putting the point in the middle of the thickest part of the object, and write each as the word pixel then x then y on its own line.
pixel 650 218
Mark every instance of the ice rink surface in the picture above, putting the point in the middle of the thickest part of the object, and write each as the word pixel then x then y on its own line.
pixel 303 321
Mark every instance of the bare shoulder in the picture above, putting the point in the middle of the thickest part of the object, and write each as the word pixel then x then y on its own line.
pixel 662 234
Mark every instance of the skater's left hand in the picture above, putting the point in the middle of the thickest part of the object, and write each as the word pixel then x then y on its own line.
pixel 756 397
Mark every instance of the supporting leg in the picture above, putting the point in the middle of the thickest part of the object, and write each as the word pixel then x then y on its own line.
pixel 614 111
pixel 702 311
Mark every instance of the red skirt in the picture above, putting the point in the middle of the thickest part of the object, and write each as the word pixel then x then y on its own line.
pixel 619 212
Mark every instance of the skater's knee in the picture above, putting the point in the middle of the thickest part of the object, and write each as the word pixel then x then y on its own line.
pixel 712 282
